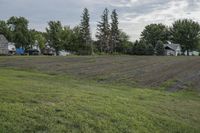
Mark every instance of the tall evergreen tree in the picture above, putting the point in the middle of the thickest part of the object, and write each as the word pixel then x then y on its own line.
pixel 103 32
pixel 87 47
pixel 114 34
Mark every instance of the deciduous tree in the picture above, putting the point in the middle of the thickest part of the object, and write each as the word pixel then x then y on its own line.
pixel 20 33
pixel 186 32
pixel 54 32
pixel 155 32
pixel 4 29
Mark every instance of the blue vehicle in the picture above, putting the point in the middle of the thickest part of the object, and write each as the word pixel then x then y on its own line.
pixel 20 51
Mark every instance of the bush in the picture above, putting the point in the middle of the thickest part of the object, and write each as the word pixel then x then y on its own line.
pixel 160 50
pixel 150 50
pixel 142 48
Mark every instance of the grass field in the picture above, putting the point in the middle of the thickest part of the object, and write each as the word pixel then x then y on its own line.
pixel 35 99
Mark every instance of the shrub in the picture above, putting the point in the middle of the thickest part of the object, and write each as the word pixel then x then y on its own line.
pixel 160 50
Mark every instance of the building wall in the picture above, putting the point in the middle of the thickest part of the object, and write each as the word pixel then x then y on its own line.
pixel 3 49
pixel 178 51
pixel 3 45
pixel 170 53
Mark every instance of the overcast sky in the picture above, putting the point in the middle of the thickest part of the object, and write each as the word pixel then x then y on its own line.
pixel 134 15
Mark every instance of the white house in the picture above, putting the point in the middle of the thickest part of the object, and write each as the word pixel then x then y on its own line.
pixel 172 49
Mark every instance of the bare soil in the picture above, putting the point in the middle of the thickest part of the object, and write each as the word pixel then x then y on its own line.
pixel 173 73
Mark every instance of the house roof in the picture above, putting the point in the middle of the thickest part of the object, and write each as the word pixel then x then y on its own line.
pixel 172 46
pixel 3 40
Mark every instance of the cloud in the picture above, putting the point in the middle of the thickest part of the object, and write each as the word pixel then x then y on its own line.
pixel 158 12
pixel 134 15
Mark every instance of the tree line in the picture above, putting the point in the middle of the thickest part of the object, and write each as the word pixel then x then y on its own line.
pixel 185 32
pixel 109 38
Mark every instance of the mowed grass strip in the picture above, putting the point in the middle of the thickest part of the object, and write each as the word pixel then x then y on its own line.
pixel 36 102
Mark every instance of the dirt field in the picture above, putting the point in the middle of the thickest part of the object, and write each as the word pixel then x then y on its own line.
pixel 173 73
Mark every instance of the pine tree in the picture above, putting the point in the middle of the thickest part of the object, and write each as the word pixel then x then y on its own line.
pixel 87 47
pixel 114 35
pixel 103 32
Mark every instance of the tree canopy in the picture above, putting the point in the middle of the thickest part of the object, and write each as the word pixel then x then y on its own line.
pixel 54 33
pixel 110 39
pixel 154 32
pixel 20 32
pixel 186 32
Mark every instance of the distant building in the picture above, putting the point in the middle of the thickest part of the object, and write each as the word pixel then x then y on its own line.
pixel 64 53
pixel 172 49
pixel 192 53
pixel 3 45
pixel 48 50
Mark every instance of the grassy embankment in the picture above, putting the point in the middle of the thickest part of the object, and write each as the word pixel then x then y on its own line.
pixel 38 102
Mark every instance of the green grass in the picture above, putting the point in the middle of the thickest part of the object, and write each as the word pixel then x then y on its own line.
pixel 35 102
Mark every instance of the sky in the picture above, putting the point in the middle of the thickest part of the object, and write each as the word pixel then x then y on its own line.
pixel 134 15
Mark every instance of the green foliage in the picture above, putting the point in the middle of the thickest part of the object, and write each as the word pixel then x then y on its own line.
pixel 86 48
pixel 155 32
pixel 67 38
pixel 115 35
pixel 77 41
pixel 186 32
pixel 4 29
pixel 109 38
pixel 103 33
pixel 123 44
pixel 142 48
pixel 54 34
pixel 160 48
pixel 20 33
pixel 150 50
pixel 41 39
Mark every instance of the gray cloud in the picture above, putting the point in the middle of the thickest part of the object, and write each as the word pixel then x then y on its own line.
pixel 133 14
